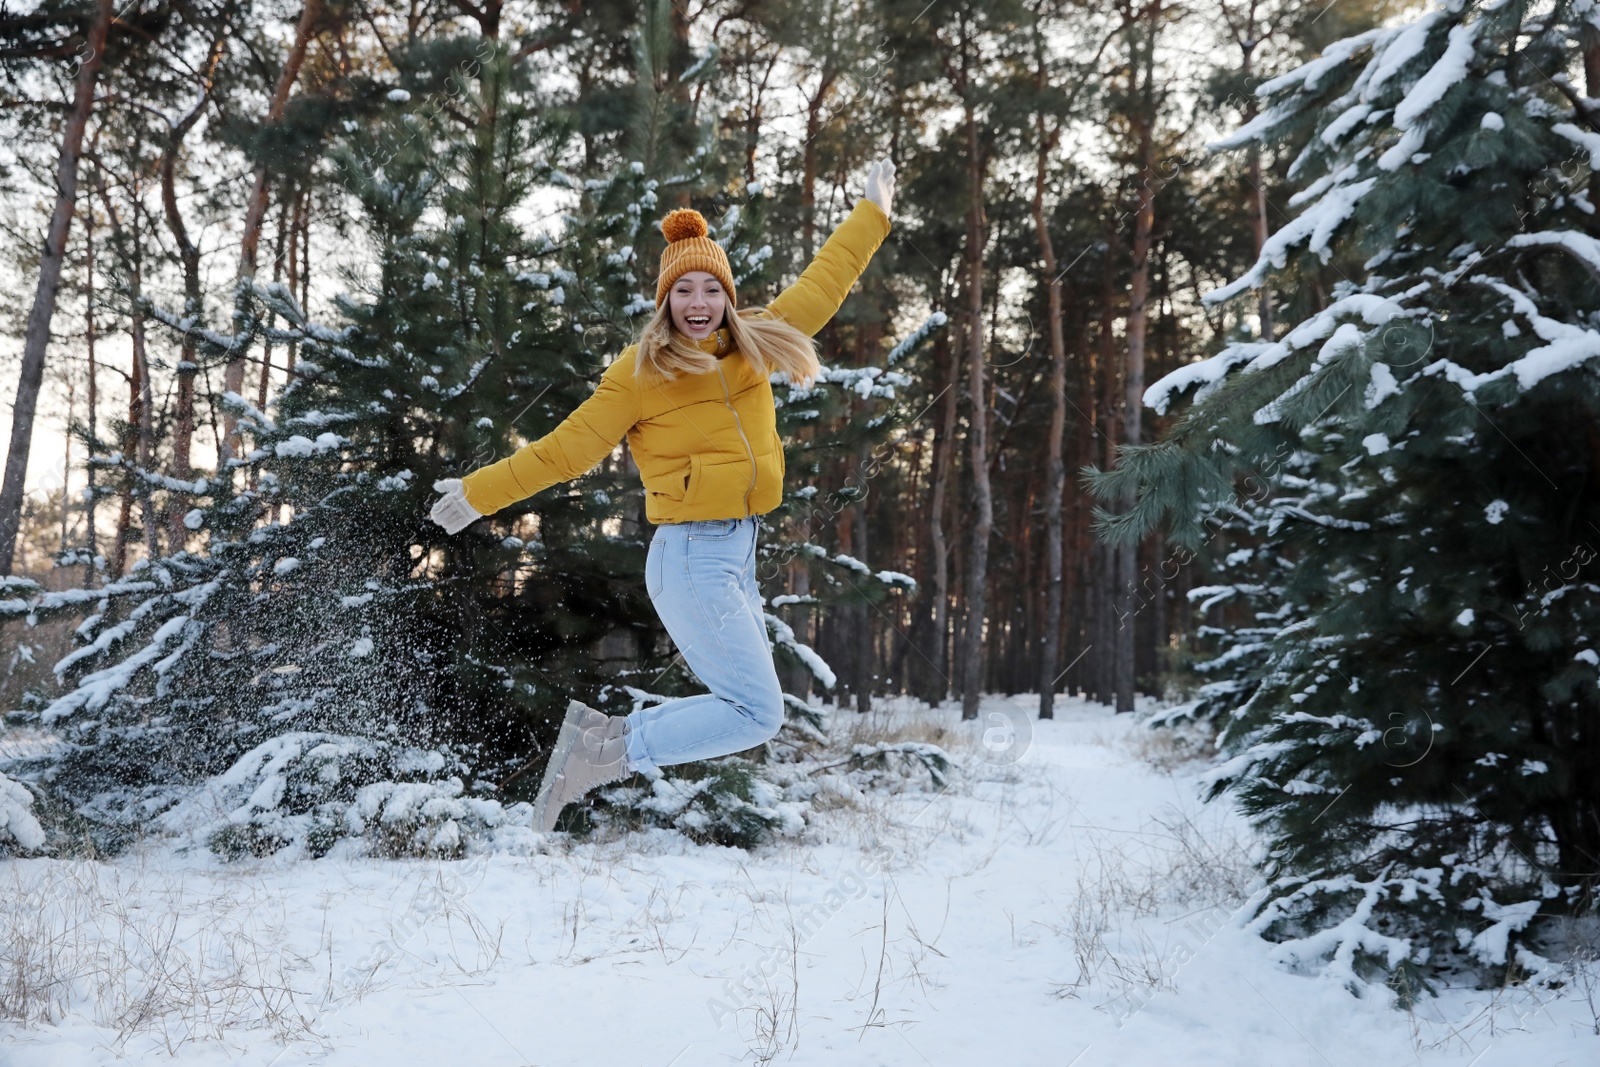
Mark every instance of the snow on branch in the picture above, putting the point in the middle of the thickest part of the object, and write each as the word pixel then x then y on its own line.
pixel 1303 79
pixel 16 595
pixel 1315 226
pixel 783 636
pixel 149 477
pixel 1582 247
pixel 1568 345
pixel 1584 139
pixel 916 337
pixel 96 689
pixel 865 382
pixel 72 598
pixel 1450 69
pixel 1212 595
pixel 1337 945
pixel 1296 512
pixel 17 821
pixel 1209 372
pixel 1256 356
pixel 233 402
pixel 1489 944
pixel 1308 75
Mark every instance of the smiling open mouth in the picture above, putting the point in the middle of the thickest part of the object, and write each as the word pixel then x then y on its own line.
pixel 698 321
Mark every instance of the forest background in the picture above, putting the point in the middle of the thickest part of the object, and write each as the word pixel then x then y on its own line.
pixel 1056 204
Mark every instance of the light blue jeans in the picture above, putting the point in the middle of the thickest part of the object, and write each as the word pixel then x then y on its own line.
pixel 701 577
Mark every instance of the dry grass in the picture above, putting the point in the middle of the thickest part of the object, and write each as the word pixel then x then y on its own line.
pixel 1525 1002
pixel 171 958
pixel 876 813
pixel 1169 748
pixel 870 729
pixel 1169 863
pixel 169 963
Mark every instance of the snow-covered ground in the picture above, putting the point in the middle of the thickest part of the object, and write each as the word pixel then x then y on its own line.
pixel 1067 908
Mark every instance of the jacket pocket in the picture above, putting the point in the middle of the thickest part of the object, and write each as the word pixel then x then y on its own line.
pixel 768 492
pixel 718 487
pixel 694 480
pixel 664 493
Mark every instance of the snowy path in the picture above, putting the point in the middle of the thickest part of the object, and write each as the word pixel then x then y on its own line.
pixel 1067 911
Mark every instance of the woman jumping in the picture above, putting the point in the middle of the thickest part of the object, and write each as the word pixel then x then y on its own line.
pixel 703 430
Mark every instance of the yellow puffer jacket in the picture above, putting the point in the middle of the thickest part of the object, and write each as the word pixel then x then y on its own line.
pixel 707 445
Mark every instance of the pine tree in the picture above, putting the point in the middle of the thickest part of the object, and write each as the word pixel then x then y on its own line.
pixel 1412 715
pixel 328 642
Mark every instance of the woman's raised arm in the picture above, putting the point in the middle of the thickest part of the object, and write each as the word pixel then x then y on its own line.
pixel 818 293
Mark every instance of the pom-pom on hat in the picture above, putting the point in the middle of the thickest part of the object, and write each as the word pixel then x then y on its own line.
pixel 688 248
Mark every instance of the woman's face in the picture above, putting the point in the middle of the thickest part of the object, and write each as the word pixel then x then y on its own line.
pixel 698 304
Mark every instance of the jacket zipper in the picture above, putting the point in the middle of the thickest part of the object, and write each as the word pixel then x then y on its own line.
pixel 727 398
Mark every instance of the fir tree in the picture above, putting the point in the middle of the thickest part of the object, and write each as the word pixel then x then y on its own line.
pixel 1412 716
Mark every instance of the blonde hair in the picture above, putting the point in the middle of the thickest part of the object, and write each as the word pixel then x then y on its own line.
pixel 769 343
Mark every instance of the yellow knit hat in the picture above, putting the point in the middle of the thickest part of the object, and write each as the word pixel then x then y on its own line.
pixel 688 248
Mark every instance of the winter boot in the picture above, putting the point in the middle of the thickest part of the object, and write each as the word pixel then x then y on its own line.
pixel 590 751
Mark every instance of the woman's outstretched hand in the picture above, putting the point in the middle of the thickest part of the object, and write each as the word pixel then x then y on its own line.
pixel 880 184
pixel 452 510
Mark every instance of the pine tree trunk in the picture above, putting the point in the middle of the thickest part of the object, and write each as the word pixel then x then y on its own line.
pixel 285 236
pixel 868 337
pixel 146 430
pixel 800 677
pixel 1078 638
pixel 808 182
pixel 676 133
pixel 299 267
pixel 910 543
pixel 119 543
pixel 1103 664
pixel 36 341
pixel 1055 474
pixel 978 431
pixel 1259 224
pixel 189 255
pixel 1133 384
pixel 66 459
pixel 130 447
pixel 916 544
pixel 864 613
pixel 944 448
pixel 93 399
pixel 256 205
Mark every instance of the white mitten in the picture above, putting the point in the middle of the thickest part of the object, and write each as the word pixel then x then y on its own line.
pixel 452 510
pixel 880 184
